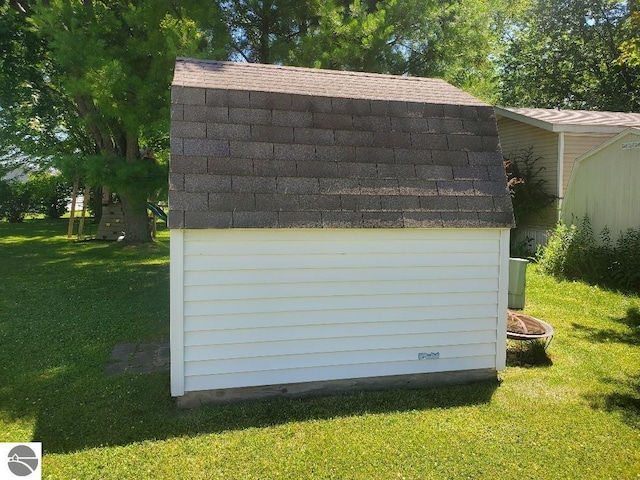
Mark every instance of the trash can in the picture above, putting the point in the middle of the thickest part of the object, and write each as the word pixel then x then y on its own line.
pixel 517 282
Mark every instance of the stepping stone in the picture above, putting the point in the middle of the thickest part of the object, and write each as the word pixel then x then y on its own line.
pixel 139 358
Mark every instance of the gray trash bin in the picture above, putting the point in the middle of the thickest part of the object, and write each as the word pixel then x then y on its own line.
pixel 517 282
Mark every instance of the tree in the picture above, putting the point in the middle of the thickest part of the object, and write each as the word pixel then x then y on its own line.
pixel 630 48
pixel 92 80
pixel 565 54
pixel 16 200
pixel 450 39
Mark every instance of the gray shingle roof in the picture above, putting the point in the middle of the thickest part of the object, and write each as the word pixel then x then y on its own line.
pixel 316 82
pixel 260 146
pixel 573 120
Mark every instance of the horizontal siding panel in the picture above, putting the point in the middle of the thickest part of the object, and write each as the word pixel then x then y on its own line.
pixel 436 318
pixel 287 291
pixel 331 359
pixel 276 342
pixel 364 260
pixel 319 247
pixel 252 306
pixel 211 382
pixel 339 330
pixel 306 275
pixel 330 235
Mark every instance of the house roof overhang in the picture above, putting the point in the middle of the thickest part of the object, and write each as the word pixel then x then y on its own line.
pixel 572 121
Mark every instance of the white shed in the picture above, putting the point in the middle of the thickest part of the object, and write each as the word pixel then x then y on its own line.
pixel 604 185
pixel 332 230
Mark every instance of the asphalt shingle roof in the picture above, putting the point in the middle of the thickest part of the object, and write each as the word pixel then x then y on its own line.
pixel 262 146
pixel 554 119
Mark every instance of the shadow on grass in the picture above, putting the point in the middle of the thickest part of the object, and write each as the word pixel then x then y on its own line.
pixel 626 397
pixel 625 400
pixel 630 337
pixel 87 412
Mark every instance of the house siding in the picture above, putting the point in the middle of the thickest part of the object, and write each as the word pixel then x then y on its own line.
pixel 576 145
pixel 516 137
pixel 283 306
pixel 604 187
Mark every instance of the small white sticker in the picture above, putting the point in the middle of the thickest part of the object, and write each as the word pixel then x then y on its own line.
pixel 428 355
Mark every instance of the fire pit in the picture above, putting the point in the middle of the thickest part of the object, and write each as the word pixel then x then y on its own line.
pixel 525 327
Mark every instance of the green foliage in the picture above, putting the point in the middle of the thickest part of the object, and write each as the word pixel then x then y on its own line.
pixel 16 200
pixel 452 39
pixel 630 48
pixel 624 266
pixel 566 54
pixel 572 252
pixel 42 193
pixel 528 191
pixel 51 194
pixel 91 78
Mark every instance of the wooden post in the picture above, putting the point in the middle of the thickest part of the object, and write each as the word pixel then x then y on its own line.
pixel 73 207
pixel 84 211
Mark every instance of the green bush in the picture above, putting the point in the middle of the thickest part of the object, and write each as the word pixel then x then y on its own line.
pixel 51 194
pixel 528 191
pixel 16 200
pixel 528 194
pixel 572 252
pixel 42 193
pixel 624 268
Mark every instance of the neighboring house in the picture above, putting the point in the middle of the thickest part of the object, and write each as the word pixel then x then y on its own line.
pixel 16 175
pixel 330 230
pixel 605 185
pixel 558 137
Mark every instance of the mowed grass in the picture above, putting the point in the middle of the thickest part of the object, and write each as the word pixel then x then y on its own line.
pixel 64 305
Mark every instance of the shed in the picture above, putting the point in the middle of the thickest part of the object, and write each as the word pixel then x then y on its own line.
pixel 558 138
pixel 332 229
pixel 604 185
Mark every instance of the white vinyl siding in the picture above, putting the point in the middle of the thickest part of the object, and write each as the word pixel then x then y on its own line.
pixel 604 186
pixel 576 145
pixel 265 307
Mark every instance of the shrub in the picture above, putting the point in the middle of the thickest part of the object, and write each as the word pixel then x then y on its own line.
pixel 528 194
pixel 572 252
pixel 16 200
pixel 527 189
pixel 624 268
pixel 51 194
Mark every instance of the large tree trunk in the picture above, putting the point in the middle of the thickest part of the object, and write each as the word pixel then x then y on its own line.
pixel 134 200
pixel 134 205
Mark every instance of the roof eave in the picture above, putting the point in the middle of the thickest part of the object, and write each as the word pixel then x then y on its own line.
pixel 560 127
pixel 503 112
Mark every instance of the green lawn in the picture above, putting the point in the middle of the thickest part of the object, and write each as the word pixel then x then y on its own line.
pixel 64 305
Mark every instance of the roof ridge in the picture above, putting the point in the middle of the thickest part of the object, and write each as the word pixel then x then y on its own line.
pixel 323 71
pixel 223 75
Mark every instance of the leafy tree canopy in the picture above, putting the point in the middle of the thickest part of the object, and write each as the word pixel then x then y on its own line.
pixel 574 54
pixel 451 39
pixel 91 78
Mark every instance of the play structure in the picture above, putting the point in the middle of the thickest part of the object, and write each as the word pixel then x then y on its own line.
pixel 112 225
